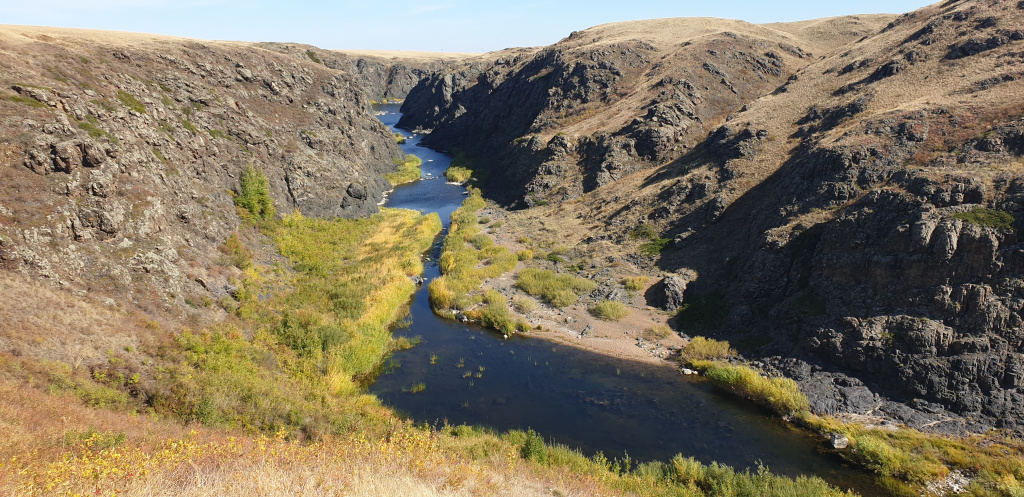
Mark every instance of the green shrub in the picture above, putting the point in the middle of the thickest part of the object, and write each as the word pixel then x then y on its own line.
pixel 524 255
pixel 654 247
pixel 312 56
pixel 558 290
pixel 254 194
pixel 635 283
pixel 457 174
pixel 484 220
pixel 643 232
pixel 657 332
pixel 399 138
pixel 554 257
pixel 989 218
pixel 481 241
pixel 705 349
pixel 533 448
pixel 408 170
pixel 524 305
pixel 781 395
pixel 131 102
pixel 609 310
pixel 237 252
pixel 495 314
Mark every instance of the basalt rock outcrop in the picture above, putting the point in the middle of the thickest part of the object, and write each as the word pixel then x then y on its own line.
pixel 603 103
pixel 854 215
pixel 119 154
pixel 381 75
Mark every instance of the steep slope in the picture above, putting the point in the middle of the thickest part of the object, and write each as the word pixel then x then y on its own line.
pixel 381 74
pixel 856 221
pixel 118 152
pixel 864 236
pixel 607 101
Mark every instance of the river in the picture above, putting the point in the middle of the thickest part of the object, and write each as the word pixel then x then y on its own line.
pixel 584 400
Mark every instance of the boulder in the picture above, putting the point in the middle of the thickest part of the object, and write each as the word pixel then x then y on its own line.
pixel 839 441
pixel 668 293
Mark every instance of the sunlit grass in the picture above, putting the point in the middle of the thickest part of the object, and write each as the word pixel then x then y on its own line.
pixel 468 257
pixel 408 170
pixel 609 310
pixel 556 289
pixel 317 328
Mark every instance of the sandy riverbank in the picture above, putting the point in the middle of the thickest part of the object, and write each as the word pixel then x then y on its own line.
pixel 574 325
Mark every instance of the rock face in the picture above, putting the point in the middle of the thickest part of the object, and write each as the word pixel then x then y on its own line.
pixel 379 75
pixel 668 293
pixel 856 212
pixel 117 158
pixel 601 104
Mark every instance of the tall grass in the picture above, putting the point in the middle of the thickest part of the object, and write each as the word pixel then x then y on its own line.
pixel 781 395
pixel 609 310
pixel 357 280
pixel 461 169
pixel 408 170
pixel 95 457
pixel 458 174
pixel 556 289
pixel 468 257
pixel 635 283
pixel 496 314
pixel 906 459
pixel 705 349
pixel 318 328
pixel 681 476
pixel 657 332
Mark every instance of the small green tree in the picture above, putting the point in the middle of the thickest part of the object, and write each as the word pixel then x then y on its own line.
pixel 254 194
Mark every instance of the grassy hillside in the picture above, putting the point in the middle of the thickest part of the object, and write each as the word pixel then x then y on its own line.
pixel 267 400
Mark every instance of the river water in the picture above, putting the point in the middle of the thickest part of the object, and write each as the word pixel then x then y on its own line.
pixel 573 397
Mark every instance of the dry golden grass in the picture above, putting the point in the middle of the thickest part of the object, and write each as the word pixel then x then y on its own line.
pixel 53 445
pixel 47 323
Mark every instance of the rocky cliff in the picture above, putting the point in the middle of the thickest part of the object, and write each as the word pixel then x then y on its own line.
pixel 119 154
pixel 381 74
pixel 560 121
pixel 851 215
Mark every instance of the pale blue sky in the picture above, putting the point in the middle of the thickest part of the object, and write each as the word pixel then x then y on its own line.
pixel 432 25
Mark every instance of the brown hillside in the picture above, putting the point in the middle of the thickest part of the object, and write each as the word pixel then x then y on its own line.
pixel 842 191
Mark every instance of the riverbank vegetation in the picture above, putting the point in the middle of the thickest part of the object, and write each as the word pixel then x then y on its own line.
pixel 461 168
pixel 457 174
pixel 267 401
pixel 469 257
pixel 609 310
pixel 559 290
pixel 408 170
pixel 905 460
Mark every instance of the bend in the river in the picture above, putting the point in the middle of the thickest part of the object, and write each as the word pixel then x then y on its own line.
pixel 574 397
